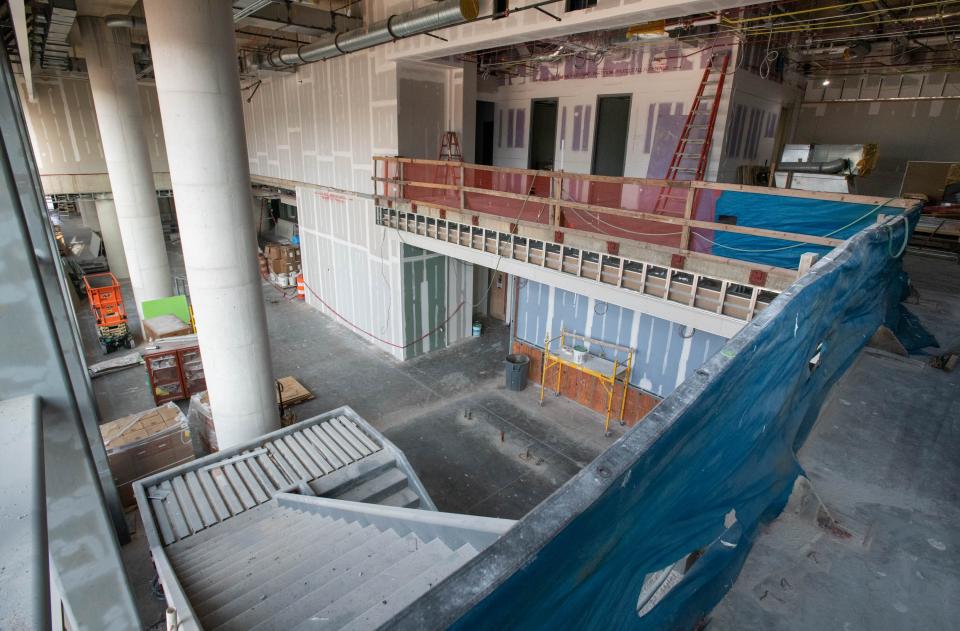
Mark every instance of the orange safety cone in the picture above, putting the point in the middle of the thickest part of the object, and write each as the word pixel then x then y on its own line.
pixel 301 288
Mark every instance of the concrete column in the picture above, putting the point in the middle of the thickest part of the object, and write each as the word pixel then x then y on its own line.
pixel 116 99
pixel 112 242
pixel 198 86
pixel 88 213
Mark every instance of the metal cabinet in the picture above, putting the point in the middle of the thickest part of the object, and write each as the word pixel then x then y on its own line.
pixel 175 374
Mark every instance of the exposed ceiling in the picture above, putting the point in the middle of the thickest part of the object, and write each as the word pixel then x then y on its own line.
pixel 260 25
pixel 805 38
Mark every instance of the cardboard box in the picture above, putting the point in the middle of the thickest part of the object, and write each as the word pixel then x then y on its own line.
pixel 272 251
pixel 164 326
pixel 145 443
pixel 283 266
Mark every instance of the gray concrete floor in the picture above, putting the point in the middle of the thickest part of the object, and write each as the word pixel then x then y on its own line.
pixel 883 460
pixel 478 448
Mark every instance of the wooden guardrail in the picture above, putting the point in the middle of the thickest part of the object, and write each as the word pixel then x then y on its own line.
pixel 395 182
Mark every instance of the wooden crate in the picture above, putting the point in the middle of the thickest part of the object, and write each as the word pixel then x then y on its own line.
pixel 145 443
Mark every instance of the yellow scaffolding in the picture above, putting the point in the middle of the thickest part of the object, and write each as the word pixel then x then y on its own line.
pixel 607 371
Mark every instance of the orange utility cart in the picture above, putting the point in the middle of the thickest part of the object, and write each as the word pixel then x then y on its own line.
pixel 106 301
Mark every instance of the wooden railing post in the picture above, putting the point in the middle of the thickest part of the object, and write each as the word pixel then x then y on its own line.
pixel 463 203
pixel 687 216
pixel 556 184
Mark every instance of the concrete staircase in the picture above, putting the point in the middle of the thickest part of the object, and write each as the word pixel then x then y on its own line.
pixel 376 480
pixel 320 525
pixel 312 563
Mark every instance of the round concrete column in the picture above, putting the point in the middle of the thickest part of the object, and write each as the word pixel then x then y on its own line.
pixel 116 99
pixel 112 242
pixel 198 86
pixel 88 213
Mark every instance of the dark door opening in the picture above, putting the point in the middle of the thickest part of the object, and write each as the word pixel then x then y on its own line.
pixel 543 134
pixel 484 133
pixel 610 141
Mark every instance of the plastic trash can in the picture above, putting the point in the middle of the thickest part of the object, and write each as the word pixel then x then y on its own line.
pixel 517 367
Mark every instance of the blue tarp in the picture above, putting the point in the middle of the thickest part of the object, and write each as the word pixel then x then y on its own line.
pixel 788 214
pixel 725 440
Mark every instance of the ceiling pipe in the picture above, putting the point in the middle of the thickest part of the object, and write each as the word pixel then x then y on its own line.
pixel 125 21
pixel 424 20
pixel 832 167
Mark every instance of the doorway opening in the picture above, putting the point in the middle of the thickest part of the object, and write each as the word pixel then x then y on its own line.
pixel 484 133
pixel 543 134
pixel 610 140
pixel 490 293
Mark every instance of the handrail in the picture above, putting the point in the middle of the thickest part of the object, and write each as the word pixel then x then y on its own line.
pixel 568 333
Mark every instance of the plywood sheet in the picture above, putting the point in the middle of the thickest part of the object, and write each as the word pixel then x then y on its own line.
pixel 142 426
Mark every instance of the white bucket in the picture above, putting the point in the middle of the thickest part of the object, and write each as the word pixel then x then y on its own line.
pixel 579 354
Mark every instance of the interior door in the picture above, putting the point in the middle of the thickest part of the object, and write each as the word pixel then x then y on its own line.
pixel 610 140
pixel 498 296
pixel 543 134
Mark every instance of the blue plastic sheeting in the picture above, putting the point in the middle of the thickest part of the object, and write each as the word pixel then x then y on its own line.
pixel 726 440
pixel 665 355
pixel 788 214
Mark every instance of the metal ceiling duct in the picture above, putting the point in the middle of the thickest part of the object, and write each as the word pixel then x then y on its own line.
pixel 125 21
pixel 430 18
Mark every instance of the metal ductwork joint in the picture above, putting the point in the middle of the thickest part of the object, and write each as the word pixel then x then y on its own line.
pixel 125 21
pixel 832 167
pixel 424 20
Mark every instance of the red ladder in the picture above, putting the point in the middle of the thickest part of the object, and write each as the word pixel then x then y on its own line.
pixel 697 132
pixel 449 152
pixel 450 147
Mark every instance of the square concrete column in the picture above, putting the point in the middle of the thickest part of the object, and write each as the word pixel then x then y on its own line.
pixel 198 86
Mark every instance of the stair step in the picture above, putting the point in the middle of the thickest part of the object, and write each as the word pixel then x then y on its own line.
pixel 201 539
pixel 377 488
pixel 246 538
pixel 353 475
pixel 237 557
pixel 207 598
pixel 287 589
pixel 327 584
pixel 275 575
pixel 379 588
pixel 405 498
pixel 381 612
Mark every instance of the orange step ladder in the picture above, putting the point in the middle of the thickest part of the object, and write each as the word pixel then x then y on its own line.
pixel 692 154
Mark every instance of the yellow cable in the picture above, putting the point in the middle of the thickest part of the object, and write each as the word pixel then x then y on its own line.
pixel 834 6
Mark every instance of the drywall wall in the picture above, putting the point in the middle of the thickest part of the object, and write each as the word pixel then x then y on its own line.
pixel 64 132
pixel 433 98
pixel 902 130
pixel 666 353
pixel 437 300
pixel 352 267
pixel 661 81
pixel 751 127
pixel 319 128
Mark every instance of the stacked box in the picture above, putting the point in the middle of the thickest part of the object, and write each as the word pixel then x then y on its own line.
pixel 145 443
pixel 282 258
